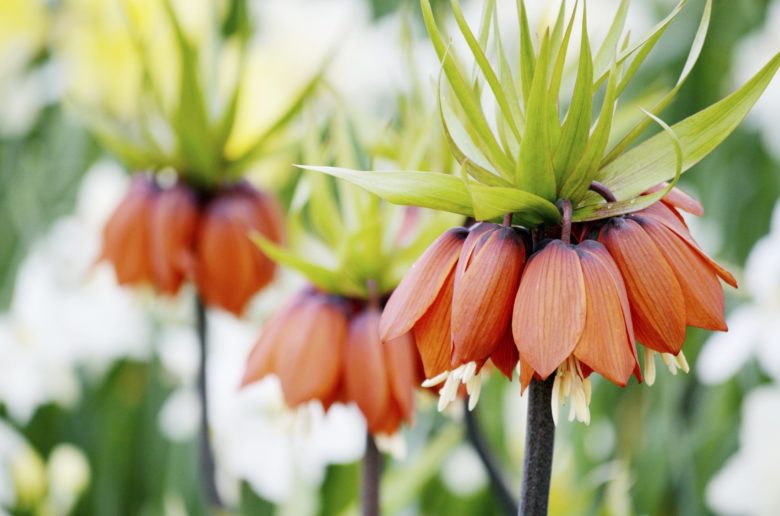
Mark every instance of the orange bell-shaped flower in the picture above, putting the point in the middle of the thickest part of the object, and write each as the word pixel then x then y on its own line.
pixel 126 235
pixel 230 268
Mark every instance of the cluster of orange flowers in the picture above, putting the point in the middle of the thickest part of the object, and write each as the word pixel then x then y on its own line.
pixel 327 348
pixel 576 305
pixel 163 236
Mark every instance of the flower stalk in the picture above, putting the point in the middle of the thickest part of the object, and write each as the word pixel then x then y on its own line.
pixel 539 443
pixel 497 482
pixel 206 454
pixel 371 473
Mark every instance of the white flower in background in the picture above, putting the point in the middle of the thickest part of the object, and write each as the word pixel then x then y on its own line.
pixel 752 53
pixel 748 483
pixel 68 475
pixel 754 326
pixel 463 472
pixel 68 314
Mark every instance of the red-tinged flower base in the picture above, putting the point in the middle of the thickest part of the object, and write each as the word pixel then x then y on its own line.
pixel 327 348
pixel 165 236
pixel 579 304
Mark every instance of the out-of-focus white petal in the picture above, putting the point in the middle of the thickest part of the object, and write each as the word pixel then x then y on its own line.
pixel 762 270
pixel 747 484
pixel 463 472
pixel 725 353
pixel 180 415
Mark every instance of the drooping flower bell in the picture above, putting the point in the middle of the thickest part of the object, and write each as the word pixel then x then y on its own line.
pixel 164 236
pixel 229 268
pixel 457 300
pixel 126 235
pixel 671 282
pixel 327 348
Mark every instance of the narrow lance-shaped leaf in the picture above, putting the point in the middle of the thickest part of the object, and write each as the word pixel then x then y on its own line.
pixel 535 172
pixel 425 189
pixel 607 52
pixel 576 127
pixel 527 55
pixel 652 161
pixel 491 202
pixel 578 181
pixel 484 65
pixel 465 94
pixel 557 73
pixel 693 57
pixel 508 81
pixel 614 209
pixel 641 47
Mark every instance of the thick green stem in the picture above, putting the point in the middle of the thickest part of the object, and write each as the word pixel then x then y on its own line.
pixel 539 443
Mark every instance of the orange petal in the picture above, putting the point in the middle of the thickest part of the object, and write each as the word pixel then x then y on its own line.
pixel 526 375
pixel 262 358
pixel 421 285
pixel 704 306
pixel 483 296
pixel 365 376
pixel 505 355
pixel 657 303
pixel 432 332
pixel 126 235
pixel 665 215
pixel 605 345
pixel 401 360
pixel 679 199
pixel 549 311
pixel 310 362
pixel 174 221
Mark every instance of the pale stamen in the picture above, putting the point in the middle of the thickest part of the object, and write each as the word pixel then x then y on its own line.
pixel 466 375
pixel 649 366
pixel 673 363
pixel 570 385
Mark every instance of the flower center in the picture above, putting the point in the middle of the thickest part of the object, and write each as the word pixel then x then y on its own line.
pixel 571 386
pixel 464 375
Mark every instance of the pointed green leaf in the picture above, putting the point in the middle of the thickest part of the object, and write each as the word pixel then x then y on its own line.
pixel 495 201
pixel 535 168
pixel 607 52
pixel 560 60
pixel 484 65
pixel 527 54
pixel 652 161
pixel 321 277
pixel 465 95
pixel 614 209
pixel 425 189
pixel 693 57
pixel 578 181
pixel 508 81
pixel 576 127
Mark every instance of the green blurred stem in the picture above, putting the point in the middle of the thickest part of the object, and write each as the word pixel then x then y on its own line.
pixel 372 471
pixel 539 443
pixel 206 454
pixel 493 467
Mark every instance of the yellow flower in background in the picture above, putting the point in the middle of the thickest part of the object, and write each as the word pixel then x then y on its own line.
pixel 23 25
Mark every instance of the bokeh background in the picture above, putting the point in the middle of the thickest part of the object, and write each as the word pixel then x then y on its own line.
pixel 98 411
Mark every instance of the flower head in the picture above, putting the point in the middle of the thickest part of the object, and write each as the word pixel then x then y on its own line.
pixel 327 348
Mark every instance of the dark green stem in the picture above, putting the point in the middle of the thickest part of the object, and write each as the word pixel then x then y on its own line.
pixel 207 480
pixel 539 443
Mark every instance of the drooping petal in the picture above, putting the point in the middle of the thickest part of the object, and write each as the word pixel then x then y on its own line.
pixel 679 199
pixel 473 243
pixel 401 360
pixel 365 376
pixel 126 235
pixel 605 345
pixel 262 357
pixel 505 355
pixel 421 286
pixel 174 221
pixel 666 216
pixel 484 293
pixel 432 333
pixel 526 375
pixel 309 364
pixel 657 303
pixel 704 305
pixel 549 311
